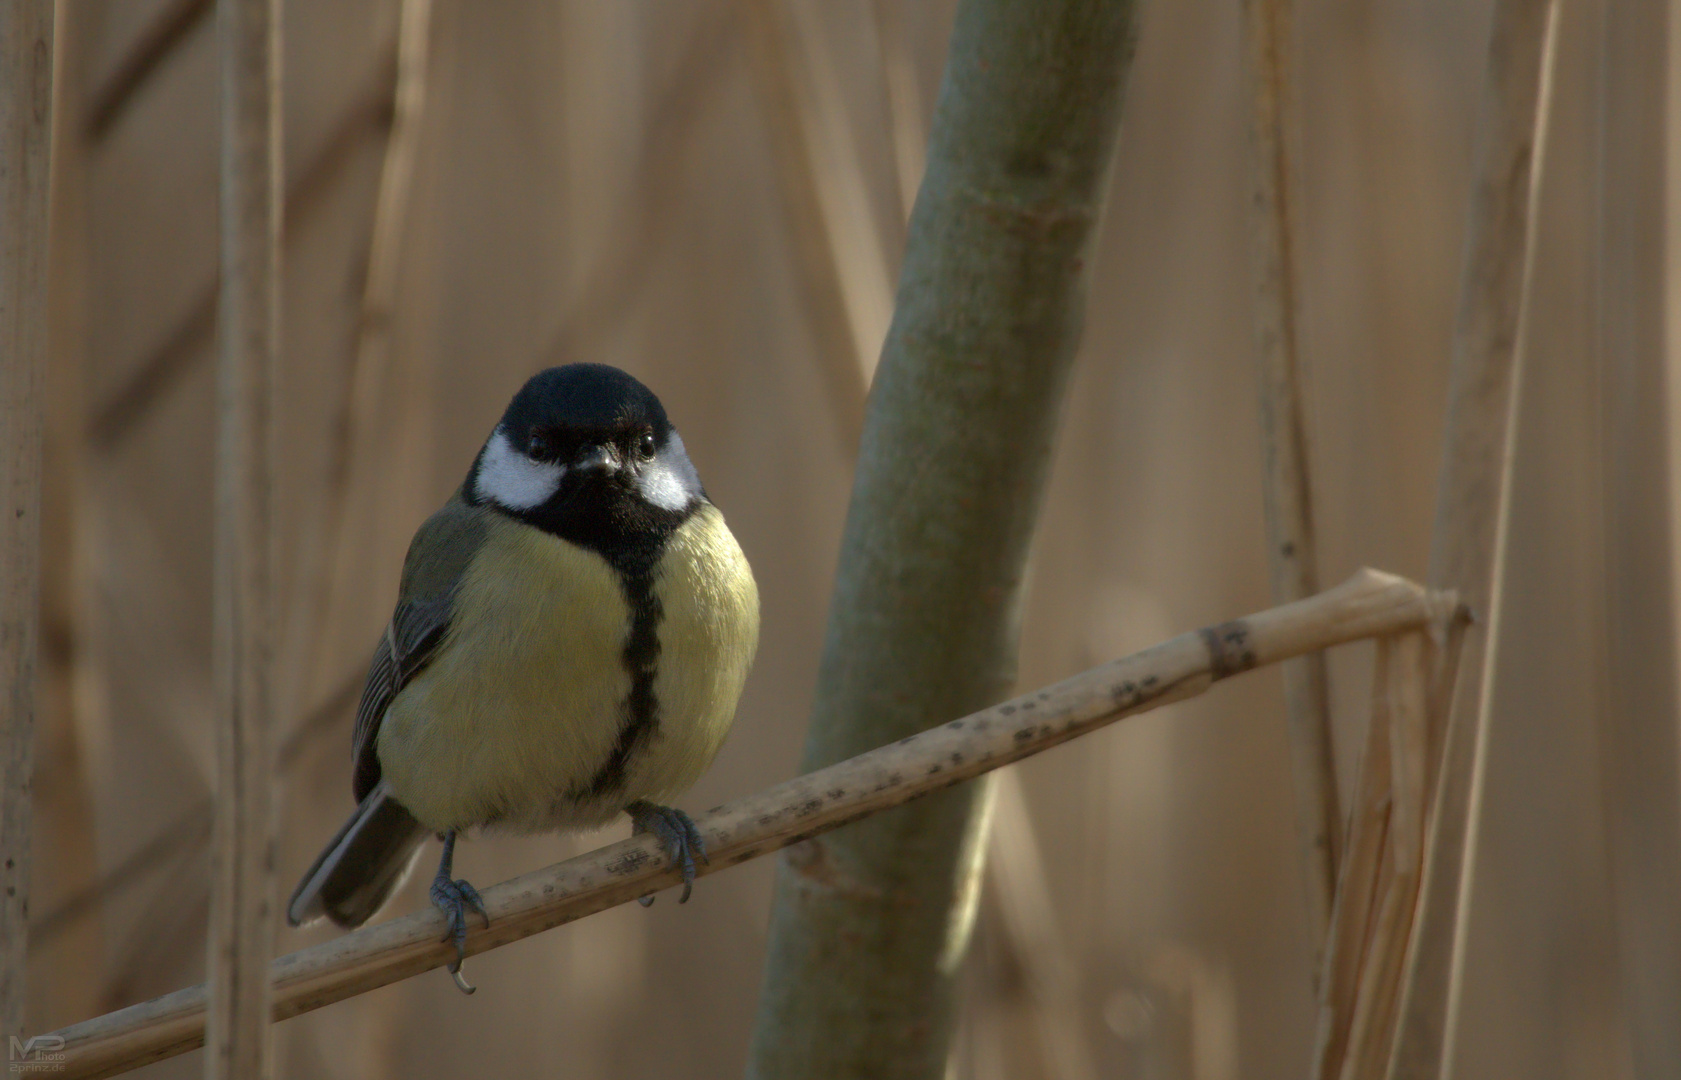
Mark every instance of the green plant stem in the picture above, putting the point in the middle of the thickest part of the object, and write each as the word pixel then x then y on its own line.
pixel 871 923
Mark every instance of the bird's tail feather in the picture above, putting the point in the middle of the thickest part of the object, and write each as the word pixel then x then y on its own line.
pixel 362 866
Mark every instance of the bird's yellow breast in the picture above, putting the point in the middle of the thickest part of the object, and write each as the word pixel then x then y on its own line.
pixel 708 633
pixel 525 699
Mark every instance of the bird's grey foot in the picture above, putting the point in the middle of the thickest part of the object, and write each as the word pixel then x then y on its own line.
pixel 455 897
pixel 676 830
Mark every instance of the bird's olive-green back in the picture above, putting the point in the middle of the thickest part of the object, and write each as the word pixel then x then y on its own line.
pixel 441 550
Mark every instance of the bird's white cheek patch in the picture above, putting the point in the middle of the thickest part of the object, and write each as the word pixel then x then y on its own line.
pixel 512 480
pixel 669 481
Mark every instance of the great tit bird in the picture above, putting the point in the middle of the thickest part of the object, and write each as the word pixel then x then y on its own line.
pixel 572 633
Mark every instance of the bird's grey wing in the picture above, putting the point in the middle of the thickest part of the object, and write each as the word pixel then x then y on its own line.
pixel 405 648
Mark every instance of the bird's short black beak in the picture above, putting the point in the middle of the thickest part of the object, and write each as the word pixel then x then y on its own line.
pixel 596 459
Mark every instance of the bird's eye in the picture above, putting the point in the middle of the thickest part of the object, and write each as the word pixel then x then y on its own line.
pixel 538 447
pixel 645 445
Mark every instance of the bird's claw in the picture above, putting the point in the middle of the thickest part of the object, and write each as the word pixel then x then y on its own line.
pixel 676 830
pixel 455 899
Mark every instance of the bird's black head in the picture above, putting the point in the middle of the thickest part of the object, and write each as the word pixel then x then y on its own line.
pixel 585 452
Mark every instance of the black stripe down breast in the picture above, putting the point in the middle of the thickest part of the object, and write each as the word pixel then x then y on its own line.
pixel 641 658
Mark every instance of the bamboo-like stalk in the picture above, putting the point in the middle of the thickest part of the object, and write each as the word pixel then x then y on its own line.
pixel 70 707
pixel 952 466
pixel 1288 495
pixel 844 271
pixel 1638 751
pixel 1015 872
pixel 242 907
pixel 1370 604
pixel 1473 504
pixel 26 81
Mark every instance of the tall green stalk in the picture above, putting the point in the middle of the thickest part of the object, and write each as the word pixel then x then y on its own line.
pixel 871 923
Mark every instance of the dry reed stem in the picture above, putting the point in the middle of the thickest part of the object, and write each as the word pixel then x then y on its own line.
pixel 1373 919
pixel 357 464
pixel 1473 505
pixel 168 27
pixel 1639 759
pixel 646 211
pixel 1411 659
pixel 1365 869
pixel 70 706
pixel 242 906
pixel 1405 688
pixel 1373 1022
pixel 26 82
pixel 1016 872
pixel 1370 604
pixel 844 270
pixel 865 269
pixel 1288 494
pixel 118 414
pixel 1444 677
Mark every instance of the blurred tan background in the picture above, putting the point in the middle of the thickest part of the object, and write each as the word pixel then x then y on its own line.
pixel 523 183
